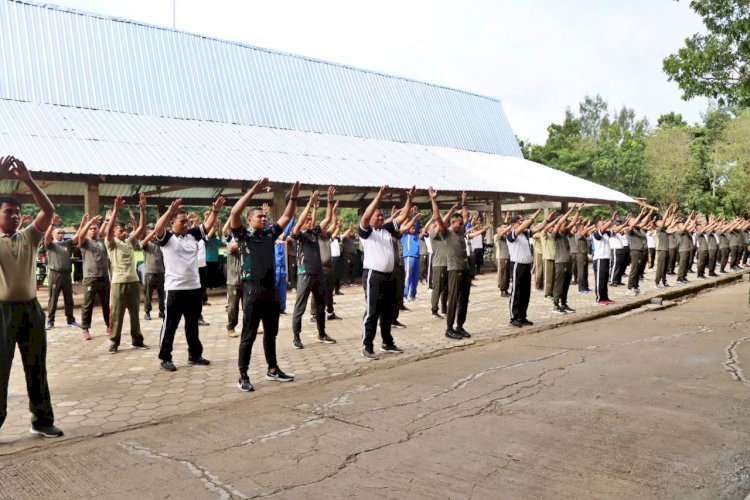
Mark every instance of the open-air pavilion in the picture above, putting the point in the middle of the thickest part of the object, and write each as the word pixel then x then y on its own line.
pixel 99 107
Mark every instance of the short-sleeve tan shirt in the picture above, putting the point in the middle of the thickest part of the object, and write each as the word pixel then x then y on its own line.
pixel 18 264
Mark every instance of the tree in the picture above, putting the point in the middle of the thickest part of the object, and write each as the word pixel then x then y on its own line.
pixel 671 119
pixel 715 65
pixel 733 151
pixel 672 168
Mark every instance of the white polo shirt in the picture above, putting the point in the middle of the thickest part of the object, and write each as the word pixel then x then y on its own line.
pixel 335 248
pixel 519 247
pixel 601 244
pixel 181 256
pixel 377 247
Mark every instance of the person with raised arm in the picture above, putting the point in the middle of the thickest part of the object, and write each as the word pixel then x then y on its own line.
pixel 602 235
pixel 126 288
pixel 376 242
pixel 96 282
pixel 21 316
pixel 258 276
pixel 181 280
pixel 310 278
pixel 59 253
pixel 519 247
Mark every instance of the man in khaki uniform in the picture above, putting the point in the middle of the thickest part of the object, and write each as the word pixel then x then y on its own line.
pixel 21 316
pixel 59 253
pixel 125 284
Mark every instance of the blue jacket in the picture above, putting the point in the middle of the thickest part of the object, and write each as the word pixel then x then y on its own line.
pixel 410 244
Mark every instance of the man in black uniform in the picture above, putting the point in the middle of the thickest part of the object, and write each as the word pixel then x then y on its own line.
pixel 258 274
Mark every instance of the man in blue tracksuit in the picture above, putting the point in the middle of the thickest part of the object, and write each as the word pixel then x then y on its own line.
pixel 410 244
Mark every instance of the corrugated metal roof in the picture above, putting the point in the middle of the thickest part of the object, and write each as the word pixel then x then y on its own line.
pixel 56 56
pixel 80 141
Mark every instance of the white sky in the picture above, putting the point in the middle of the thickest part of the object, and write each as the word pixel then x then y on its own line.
pixel 537 56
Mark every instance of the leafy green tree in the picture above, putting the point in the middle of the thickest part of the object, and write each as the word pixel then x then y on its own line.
pixel 671 119
pixel 673 171
pixel 733 151
pixel 715 64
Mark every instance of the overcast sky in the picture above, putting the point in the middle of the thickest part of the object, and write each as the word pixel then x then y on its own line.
pixel 537 56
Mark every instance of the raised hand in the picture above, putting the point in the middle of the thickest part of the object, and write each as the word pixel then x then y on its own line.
pixel 463 198
pixel 119 203
pixel 295 189
pixel 55 219
pixel 383 191
pixel 175 206
pixel 19 171
pixel 410 193
pixel 331 193
pixel 6 163
pixel 219 203
pixel 431 191
pixel 335 206
pixel 260 185
pixel 266 208
pixel 142 201
pixel 314 198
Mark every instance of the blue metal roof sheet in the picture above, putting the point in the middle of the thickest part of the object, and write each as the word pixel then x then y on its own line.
pixel 56 56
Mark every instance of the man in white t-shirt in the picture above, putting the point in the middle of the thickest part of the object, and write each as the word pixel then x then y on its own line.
pixel 181 280
pixel 602 235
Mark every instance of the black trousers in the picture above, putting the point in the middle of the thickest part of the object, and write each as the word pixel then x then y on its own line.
pixel 349 259
pixel 672 259
pixel 187 303
pixel 153 282
pixel 310 284
pixel 439 288
pixel 478 260
pixel 399 278
pixel 380 297
pixel 338 272
pixel 328 286
pixel 22 323
pixel 259 305
pixel 203 275
pixel 521 292
pixel 459 287
pixel 562 283
pixel 601 279
pixel 583 272
pixel 662 260
pixel 651 257
pixel 60 282
pixel 424 265
pixel 619 264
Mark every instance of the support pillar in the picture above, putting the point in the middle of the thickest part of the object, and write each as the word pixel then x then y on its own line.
pixel 563 207
pixel 496 213
pixel 91 199
pixel 279 204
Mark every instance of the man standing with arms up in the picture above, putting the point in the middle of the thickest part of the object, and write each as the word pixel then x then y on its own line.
pixel 521 259
pixel 153 268
pixel 182 282
pixel 439 276
pixel 95 272
pixel 310 277
pixel 21 316
pixel 376 240
pixel 59 253
pixel 126 289
pixel 258 275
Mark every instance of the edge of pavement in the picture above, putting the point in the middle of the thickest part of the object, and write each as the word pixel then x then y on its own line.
pixel 690 290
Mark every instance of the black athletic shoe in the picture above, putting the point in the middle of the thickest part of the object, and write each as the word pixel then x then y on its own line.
pixel 48 431
pixel 333 316
pixel 437 316
pixel 147 316
pixel 298 343
pixel 113 348
pixel 369 354
pixel 504 294
pixel 525 321
pixel 244 384
pixel 140 345
pixel 558 310
pixel 199 361
pixel 403 308
pixel 397 324
pixel 168 366
pixel 516 323
pixel 313 319
pixel 460 330
pixel 452 334
pixel 161 315
pixel 567 308
pixel 326 339
pixel 391 348
pixel 203 322
pixel 279 376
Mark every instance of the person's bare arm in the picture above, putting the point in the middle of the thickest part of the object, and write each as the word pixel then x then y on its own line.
pixel 303 216
pixel 50 229
pixel 77 236
pixel 235 216
pixel 84 233
pixel 141 229
pixel 329 209
pixel 439 221
pixel 119 203
pixel 13 168
pixel 161 224
pixel 336 230
pixel 291 206
pixel 464 208
pixel 401 217
pixel 364 221
pixel 210 221
pixel 403 229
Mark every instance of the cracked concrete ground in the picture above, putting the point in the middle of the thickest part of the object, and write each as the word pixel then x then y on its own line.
pixel 649 405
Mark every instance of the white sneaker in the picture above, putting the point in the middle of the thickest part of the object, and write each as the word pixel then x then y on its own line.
pixel 631 293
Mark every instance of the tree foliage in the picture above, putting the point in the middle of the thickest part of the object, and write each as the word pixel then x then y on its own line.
pixel 715 64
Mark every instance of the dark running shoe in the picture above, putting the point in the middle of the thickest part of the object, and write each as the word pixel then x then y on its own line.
pixel 279 376
pixel 369 354
pixel 516 323
pixel 113 348
pixel 397 324
pixel 326 339
pixel 140 345
pixel 199 361
pixel 452 334
pixel 244 384
pixel 48 431
pixel 297 342
pixel 526 322
pixel 391 348
pixel 168 366
pixel 460 330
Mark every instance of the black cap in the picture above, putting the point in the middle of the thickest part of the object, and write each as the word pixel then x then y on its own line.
pixel 515 219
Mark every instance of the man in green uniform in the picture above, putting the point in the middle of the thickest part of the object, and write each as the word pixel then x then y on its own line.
pixel 59 253
pixel 21 316
pixel 125 285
